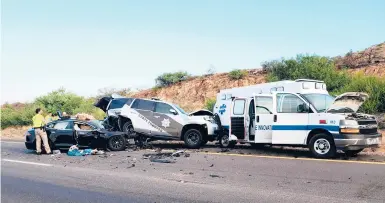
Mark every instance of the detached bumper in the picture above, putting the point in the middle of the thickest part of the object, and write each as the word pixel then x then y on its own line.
pixel 357 141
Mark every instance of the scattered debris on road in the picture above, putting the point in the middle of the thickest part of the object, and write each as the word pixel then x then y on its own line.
pixel 216 176
pixel 168 157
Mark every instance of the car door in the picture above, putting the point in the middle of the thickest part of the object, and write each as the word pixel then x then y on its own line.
pixel 84 136
pixel 291 117
pixel 142 117
pixel 263 118
pixel 62 134
pixel 166 117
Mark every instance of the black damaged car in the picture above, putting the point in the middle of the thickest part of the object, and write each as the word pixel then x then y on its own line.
pixel 64 133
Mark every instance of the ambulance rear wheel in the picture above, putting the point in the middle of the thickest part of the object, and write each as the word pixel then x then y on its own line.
pixel 322 146
pixel 225 143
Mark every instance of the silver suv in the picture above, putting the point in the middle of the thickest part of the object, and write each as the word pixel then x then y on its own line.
pixel 159 120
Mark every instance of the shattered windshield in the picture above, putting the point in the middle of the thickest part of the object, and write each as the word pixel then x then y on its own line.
pixel 321 102
pixel 97 123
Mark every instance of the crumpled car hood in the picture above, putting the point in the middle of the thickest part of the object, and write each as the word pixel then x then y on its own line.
pixel 202 112
pixel 348 102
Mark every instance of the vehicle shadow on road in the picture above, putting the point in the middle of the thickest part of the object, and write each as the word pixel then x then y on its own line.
pixel 280 151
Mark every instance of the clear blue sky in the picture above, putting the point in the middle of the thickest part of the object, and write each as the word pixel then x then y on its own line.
pixel 85 45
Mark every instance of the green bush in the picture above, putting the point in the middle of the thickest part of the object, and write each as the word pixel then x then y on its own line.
pixel 56 100
pixel 11 116
pixel 167 79
pixel 238 74
pixel 309 67
pixel 372 85
pixel 209 104
pixel 60 100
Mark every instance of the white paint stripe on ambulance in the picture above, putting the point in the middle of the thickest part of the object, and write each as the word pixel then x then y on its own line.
pixel 26 162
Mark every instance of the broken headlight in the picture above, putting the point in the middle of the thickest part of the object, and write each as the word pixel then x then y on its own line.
pixel 209 119
pixel 349 126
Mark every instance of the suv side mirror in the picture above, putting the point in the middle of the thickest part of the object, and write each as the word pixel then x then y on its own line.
pixel 303 108
pixel 173 111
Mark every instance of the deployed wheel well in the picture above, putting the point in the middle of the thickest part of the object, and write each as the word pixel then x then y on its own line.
pixel 201 128
pixel 122 121
pixel 315 132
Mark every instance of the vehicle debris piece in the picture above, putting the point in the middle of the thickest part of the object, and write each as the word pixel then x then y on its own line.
pixel 56 152
pixel 74 151
pixel 216 176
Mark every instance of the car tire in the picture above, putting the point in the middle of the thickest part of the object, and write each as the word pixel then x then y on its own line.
pixel 117 143
pixel 193 138
pixel 353 152
pixel 128 127
pixel 224 141
pixel 322 146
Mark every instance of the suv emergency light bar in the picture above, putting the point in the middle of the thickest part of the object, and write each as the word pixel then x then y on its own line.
pixel 154 98
pixel 308 80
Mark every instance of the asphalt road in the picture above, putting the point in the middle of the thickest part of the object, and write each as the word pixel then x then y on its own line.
pixel 202 177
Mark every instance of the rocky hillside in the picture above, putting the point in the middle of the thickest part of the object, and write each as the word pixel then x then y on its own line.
pixel 371 61
pixel 193 93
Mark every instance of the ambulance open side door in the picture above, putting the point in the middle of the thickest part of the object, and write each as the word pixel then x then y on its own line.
pixel 264 118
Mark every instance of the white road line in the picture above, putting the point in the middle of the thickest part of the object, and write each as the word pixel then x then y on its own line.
pixel 26 162
pixel 12 142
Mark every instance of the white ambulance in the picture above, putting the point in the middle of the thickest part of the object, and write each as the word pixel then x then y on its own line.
pixel 295 113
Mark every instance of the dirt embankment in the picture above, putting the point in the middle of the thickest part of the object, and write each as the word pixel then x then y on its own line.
pixel 192 94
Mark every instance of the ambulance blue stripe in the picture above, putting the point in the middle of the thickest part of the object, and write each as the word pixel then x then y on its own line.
pixel 305 127
pixel 301 127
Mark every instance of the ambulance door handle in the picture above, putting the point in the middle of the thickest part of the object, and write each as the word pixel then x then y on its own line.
pixel 257 119
pixel 275 118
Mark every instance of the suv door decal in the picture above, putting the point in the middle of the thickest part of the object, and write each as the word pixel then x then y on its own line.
pixel 148 121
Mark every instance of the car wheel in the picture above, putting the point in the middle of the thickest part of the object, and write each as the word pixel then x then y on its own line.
pixel 117 143
pixel 129 128
pixel 193 138
pixel 224 141
pixel 322 146
pixel 353 152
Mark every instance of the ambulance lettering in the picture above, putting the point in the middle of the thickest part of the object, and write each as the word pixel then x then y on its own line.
pixel 263 127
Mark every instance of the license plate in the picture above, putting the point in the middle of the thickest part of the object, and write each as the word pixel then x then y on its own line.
pixel 373 141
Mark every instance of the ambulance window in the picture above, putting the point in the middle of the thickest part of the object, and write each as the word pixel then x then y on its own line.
pixel 264 105
pixel 288 103
pixel 239 107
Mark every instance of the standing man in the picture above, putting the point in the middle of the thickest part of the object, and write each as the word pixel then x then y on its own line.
pixel 38 125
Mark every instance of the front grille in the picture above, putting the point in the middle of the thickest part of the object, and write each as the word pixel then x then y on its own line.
pixel 237 127
pixel 367 122
pixel 368 131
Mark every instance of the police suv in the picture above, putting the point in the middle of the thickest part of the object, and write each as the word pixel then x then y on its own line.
pixel 159 120
pixel 299 113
